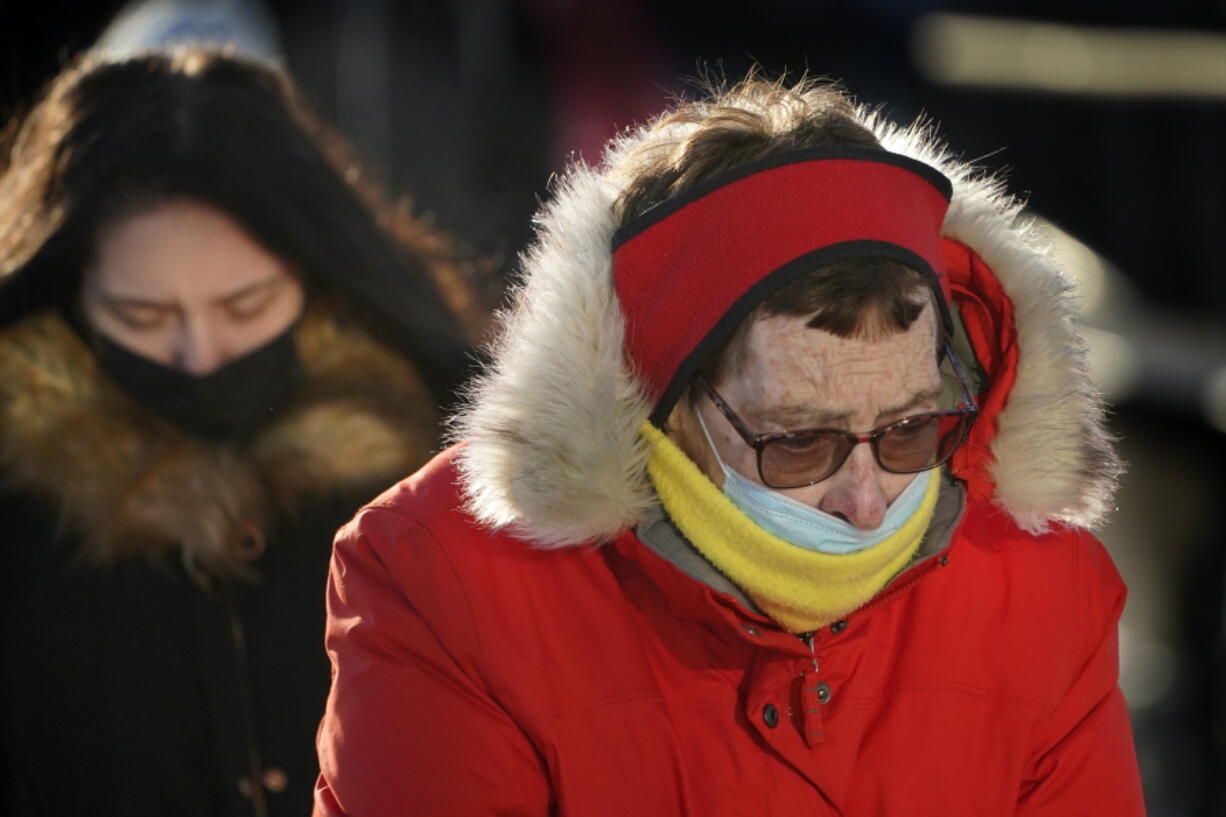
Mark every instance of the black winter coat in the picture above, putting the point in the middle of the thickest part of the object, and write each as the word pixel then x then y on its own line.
pixel 131 690
pixel 131 685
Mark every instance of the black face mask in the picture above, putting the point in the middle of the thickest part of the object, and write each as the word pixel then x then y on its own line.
pixel 229 404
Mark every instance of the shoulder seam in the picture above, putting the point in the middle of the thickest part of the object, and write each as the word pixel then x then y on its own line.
pixel 483 652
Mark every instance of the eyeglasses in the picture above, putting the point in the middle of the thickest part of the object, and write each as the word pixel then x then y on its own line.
pixel 794 459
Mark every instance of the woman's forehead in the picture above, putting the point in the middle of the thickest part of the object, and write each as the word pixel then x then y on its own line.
pixel 786 366
pixel 779 340
pixel 180 249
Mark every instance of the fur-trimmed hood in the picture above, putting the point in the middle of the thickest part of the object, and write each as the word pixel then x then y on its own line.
pixel 553 447
pixel 126 483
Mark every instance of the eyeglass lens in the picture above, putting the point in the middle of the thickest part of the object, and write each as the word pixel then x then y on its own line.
pixel 914 445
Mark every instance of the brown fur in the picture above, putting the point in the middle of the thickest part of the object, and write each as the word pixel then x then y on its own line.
pixel 129 484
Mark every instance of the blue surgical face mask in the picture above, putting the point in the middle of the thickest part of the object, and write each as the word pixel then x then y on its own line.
pixel 808 527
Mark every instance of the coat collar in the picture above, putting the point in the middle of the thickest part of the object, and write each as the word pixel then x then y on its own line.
pixel 658 534
pixel 126 483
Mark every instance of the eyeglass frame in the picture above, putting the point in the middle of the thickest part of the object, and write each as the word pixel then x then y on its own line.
pixel 758 441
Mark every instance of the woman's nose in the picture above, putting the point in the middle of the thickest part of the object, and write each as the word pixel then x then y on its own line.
pixel 198 351
pixel 856 492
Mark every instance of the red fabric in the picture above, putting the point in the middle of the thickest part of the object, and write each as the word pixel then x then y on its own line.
pixel 477 676
pixel 789 211
pixel 474 676
pixel 987 315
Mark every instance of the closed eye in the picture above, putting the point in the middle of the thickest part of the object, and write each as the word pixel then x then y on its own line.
pixel 799 443
pixel 140 316
pixel 251 303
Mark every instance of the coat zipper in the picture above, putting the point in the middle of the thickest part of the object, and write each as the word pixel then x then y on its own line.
pixel 810 697
pixel 256 791
pixel 918 573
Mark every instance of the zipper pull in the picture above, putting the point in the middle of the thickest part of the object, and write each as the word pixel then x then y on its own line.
pixel 810 698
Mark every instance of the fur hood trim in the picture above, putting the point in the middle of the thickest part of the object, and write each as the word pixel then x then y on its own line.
pixel 553 450
pixel 127 483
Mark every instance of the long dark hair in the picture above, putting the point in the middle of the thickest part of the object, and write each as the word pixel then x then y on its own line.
pixel 113 137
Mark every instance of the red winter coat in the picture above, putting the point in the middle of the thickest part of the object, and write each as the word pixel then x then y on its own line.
pixel 475 676
pixel 533 673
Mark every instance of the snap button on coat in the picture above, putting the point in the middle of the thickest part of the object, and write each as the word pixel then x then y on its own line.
pixel 770 716
pixel 251 542
pixel 823 692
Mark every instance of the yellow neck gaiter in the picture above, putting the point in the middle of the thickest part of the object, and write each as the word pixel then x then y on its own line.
pixel 801 589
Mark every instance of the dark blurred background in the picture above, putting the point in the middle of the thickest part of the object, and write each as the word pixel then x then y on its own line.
pixel 1108 117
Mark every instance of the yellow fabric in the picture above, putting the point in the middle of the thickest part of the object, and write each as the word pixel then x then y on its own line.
pixel 801 589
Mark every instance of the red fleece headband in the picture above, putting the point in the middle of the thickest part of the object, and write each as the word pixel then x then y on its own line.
pixel 688 271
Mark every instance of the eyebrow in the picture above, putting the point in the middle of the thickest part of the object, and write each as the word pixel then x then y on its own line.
pixel 247 290
pixel 120 299
pixel 919 398
pixel 797 417
pixel 801 417
pixel 113 301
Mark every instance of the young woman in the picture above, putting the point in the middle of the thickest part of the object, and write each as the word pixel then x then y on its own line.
pixel 215 343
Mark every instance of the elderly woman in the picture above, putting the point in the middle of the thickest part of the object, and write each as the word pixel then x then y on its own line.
pixel 215 342
pixel 772 502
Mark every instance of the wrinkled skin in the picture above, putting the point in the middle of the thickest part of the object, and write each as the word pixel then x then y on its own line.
pixel 789 376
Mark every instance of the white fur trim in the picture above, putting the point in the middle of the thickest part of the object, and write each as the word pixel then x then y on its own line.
pixel 552 429
pixel 553 449
pixel 1054 457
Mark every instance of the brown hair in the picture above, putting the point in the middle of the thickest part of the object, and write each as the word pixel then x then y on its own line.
pixel 112 136
pixel 757 119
